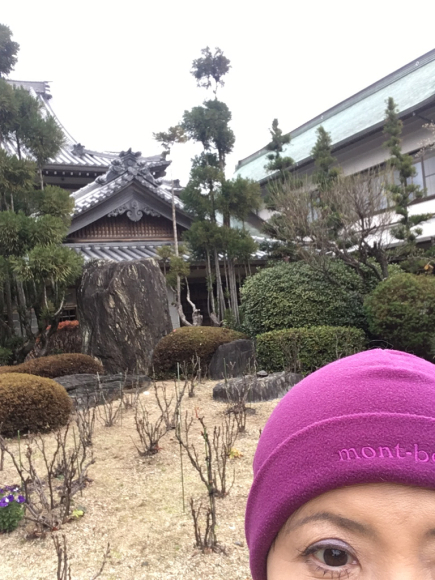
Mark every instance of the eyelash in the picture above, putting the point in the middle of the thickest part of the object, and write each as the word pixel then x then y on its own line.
pixel 335 574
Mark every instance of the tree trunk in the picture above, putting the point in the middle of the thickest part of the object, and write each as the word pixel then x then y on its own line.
pixel 196 316
pixel 233 290
pixel 219 290
pixel 9 309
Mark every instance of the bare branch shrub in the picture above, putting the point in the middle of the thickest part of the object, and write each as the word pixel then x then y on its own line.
pixel 164 402
pixel 110 410
pixel 237 400
pixel 349 221
pixel 63 567
pixel 211 466
pixel 150 431
pixel 206 540
pixel 130 398
pixel 224 437
pixel 85 419
pixel 49 491
pixel 192 374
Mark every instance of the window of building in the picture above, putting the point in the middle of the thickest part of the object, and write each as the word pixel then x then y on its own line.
pixel 68 314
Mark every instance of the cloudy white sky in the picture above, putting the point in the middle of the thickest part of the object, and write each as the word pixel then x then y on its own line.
pixel 119 71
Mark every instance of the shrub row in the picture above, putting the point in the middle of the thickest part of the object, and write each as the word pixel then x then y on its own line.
pixel 57 366
pixel 187 342
pixel 303 350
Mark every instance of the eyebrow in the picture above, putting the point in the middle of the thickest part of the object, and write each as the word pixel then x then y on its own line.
pixel 340 521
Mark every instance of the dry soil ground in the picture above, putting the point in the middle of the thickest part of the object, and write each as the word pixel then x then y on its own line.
pixel 136 505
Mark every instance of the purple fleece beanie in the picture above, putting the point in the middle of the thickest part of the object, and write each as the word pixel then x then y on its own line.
pixel 367 418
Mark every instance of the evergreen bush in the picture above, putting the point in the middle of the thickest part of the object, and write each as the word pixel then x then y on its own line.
pixel 401 311
pixel 184 343
pixel 303 350
pixel 295 295
pixel 58 365
pixel 31 404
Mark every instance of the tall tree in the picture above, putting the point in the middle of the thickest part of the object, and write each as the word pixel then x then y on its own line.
pixel 209 197
pixel 210 67
pixel 8 50
pixel 326 172
pixel 402 189
pixel 276 161
pixel 175 266
pixel 35 269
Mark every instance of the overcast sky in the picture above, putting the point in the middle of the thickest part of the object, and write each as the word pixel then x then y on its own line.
pixel 120 71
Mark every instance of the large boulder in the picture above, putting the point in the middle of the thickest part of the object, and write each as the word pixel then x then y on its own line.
pixel 252 388
pixel 123 312
pixel 233 359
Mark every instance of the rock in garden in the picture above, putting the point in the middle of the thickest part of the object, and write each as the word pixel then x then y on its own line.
pixel 233 359
pixel 252 388
pixel 123 312
pixel 92 389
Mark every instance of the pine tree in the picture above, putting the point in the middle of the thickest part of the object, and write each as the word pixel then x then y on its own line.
pixel 403 192
pixel 35 269
pixel 325 173
pixel 8 51
pixel 209 196
pixel 276 161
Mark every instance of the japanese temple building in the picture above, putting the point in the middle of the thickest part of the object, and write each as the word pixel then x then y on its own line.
pixel 123 204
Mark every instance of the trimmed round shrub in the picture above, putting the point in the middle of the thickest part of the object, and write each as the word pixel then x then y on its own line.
pixel 295 296
pixel 184 343
pixel 31 404
pixel 303 350
pixel 401 311
pixel 58 365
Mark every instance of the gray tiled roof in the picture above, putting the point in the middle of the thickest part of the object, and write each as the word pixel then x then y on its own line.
pixel 121 251
pixel 122 170
pixel 72 153
pixel 117 251
pixel 410 86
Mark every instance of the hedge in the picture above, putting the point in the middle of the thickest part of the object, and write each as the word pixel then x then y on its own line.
pixel 57 365
pixel 401 311
pixel 303 350
pixel 189 341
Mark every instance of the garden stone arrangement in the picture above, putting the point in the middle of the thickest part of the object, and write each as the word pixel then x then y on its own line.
pixel 93 389
pixel 233 359
pixel 253 388
pixel 117 327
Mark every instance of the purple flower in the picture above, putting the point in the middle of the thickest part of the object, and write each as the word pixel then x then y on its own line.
pixel 11 497
pixel 20 499
pixel 4 502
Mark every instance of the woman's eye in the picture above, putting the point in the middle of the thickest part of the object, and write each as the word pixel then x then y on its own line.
pixel 333 557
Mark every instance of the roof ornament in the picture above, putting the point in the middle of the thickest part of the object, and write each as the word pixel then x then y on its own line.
pixel 78 149
pixel 129 163
pixel 134 209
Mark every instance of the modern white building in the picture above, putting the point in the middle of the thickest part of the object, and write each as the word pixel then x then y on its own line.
pixel 356 129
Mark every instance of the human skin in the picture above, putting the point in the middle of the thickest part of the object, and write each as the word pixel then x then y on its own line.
pixel 362 532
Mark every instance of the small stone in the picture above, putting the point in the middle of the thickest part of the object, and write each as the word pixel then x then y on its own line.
pixel 240 544
pixel 144 564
